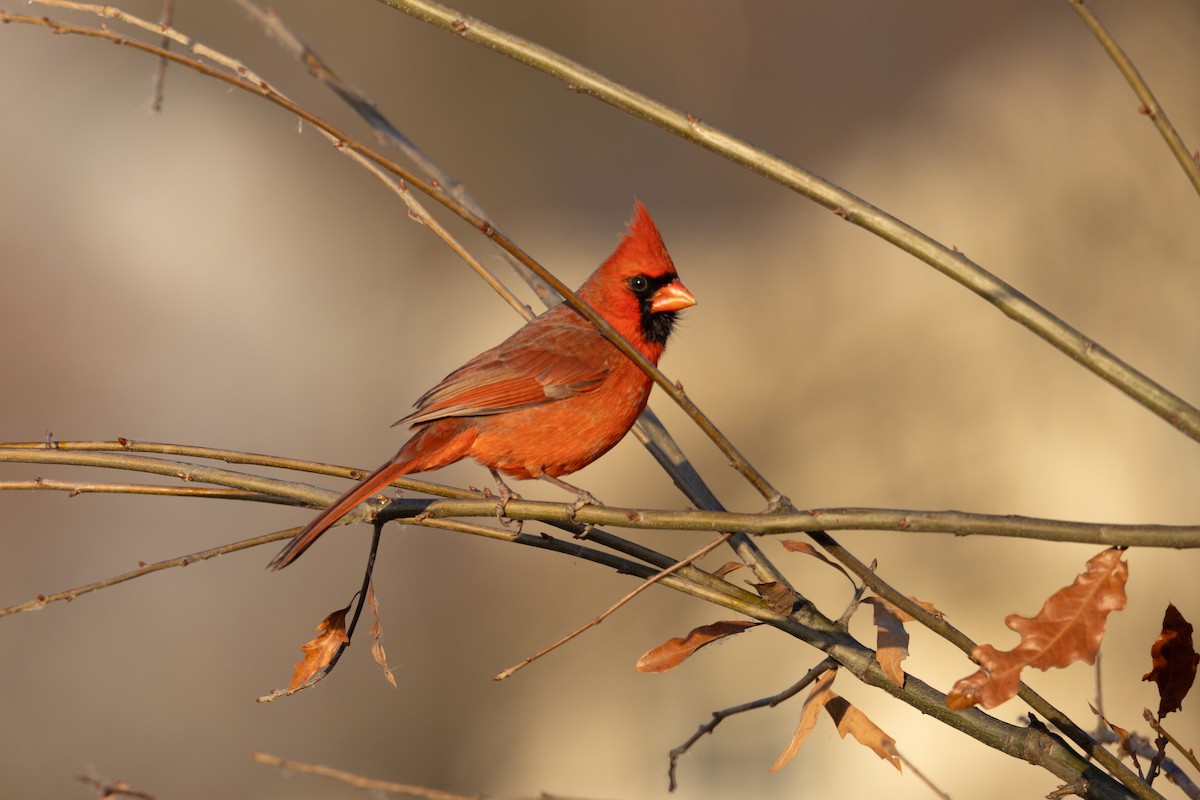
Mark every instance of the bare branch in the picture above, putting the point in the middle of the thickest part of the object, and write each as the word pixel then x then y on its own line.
pixel 1150 105
pixel 644 585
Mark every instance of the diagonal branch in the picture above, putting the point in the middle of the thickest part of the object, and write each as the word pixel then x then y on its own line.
pixel 1150 105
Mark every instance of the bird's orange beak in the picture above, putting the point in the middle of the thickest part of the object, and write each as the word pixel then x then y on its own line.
pixel 672 297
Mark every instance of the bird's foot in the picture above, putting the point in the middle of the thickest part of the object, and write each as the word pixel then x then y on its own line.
pixel 503 495
pixel 582 499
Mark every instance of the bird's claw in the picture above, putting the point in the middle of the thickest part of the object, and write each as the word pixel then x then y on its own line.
pixel 503 495
pixel 581 499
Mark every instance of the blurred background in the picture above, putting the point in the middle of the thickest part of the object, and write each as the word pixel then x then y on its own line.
pixel 218 275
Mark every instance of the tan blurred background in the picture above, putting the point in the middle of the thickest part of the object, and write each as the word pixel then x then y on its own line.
pixel 212 275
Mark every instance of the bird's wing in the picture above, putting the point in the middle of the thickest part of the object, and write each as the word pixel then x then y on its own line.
pixel 518 374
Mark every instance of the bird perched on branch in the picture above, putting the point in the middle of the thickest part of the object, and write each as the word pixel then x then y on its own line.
pixel 548 400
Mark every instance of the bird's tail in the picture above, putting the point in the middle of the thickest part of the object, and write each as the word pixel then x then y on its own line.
pixel 370 486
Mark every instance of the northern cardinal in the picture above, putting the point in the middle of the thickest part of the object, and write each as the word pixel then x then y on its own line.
pixel 548 400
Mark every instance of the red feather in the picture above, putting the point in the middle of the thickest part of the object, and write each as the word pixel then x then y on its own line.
pixel 550 399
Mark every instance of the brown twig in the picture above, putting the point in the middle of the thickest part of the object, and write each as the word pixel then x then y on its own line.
pixel 720 716
pixel 646 584
pixel 146 569
pixel 921 776
pixel 1157 725
pixel 73 488
pixel 358 781
pixel 1151 108
pixel 160 71
pixel 319 69
pixel 113 789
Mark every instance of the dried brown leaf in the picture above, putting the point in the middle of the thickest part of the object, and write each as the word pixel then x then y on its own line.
pixel 319 651
pixel 1122 735
pixel 1069 628
pixel 1173 662
pixel 377 651
pixel 673 652
pixel 904 616
pixel 852 721
pixel 891 640
pixel 778 596
pixel 795 546
pixel 728 568
pixel 818 696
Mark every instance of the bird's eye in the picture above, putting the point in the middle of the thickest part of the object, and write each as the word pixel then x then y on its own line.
pixel 638 284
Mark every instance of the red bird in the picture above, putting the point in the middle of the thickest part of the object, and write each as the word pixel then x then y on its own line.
pixel 551 398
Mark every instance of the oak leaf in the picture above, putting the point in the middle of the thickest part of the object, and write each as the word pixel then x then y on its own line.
pixel 320 650
pixel 673 652
pixel 1173 662
pixel 1069 628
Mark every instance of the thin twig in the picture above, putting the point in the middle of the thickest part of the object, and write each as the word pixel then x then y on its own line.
pixel 160 71
pixel 921 776
pixel 1150 105
pixel 720 716
pixel 112 789
pixel 73 488
pixel 1157 725
pixel 319 69
pixel 646 584
pixel 236 457
pixel 68 595
pixel 418 213
pixel 358 781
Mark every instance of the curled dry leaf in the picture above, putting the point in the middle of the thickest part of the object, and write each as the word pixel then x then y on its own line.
pixel 852 721
pixel 849 720
pixel 778 596
pixel 796 546
pixel 319 651
pixel 1173 661
pixel 1069 628
pixel 377 651
pixel 727 568
pixel 1122 736
pixel 891 640
pixel 818 696
pixel 673 652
